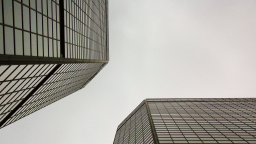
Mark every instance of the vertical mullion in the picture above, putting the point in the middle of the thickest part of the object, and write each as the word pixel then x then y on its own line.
pixel 155 138
pixel 62 28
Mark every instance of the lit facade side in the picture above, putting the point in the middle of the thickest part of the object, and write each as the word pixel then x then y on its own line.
pixel 195 121
pixel 48 50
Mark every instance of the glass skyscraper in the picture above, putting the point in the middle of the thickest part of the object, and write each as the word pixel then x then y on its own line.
pixel 167 121
pixel 48 50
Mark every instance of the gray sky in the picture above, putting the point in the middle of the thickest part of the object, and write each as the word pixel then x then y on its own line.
pixel 158 49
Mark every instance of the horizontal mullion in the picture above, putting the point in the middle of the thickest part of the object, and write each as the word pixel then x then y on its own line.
pixel 15 59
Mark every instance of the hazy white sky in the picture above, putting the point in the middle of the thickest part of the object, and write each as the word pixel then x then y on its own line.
pixel 158 48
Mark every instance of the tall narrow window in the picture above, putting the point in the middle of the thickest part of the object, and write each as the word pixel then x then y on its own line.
pixel 17 15
pixel 18 42
pixel 26 20
pixel 33 20
pixel 8 17
pixel 9 43
pixel 26 43
pixel 34 44
pixel 1 40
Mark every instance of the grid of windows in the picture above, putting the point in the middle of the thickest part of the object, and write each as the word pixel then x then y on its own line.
pixel 66 80
pixel 204 120
pixel 30 28
pixel 135 128
pixel 85 23
pixel 60 46
pixel 17 81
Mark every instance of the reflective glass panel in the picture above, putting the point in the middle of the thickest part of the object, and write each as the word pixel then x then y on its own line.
pixel 26 43
pixel 40 46
pixel 18 42
pixel 8 18
pixel 34 44
pixel 17 15
pixel 45 47
pixel 26 20
pixel 9 43
pixel 1 40
pixel 39 23
pixel 33 20
pixel 39 5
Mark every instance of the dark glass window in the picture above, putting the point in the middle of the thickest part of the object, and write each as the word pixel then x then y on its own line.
pixel 8 17
pixel 9 47
pixel 18 42
pixel 26 43
pixel 26 21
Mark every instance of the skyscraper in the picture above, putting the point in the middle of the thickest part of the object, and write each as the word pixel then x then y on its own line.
pixel 48 50
pixel 166 121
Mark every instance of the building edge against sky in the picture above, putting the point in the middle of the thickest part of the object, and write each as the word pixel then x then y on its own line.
pixel 206 120
pixel 48 50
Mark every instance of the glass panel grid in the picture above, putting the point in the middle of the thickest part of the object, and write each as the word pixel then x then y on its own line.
pixel 66 80
pixel 135 128
pixel 16 81
pixel 25 25
pixel 205 121
pixel 86 26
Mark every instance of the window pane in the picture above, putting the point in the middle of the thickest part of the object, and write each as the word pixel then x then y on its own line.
pixel 18 42
pixel 33 4
pixel 54 29
pixel 45 7
pixel 26 2
pixel 55 48
pixel 8 12
pixel 53 10
pixel 1 19
pixel 39 5
pixel 40 46
pixel 39 23
pixel 50 27
pixel 17 15
pixel 45 25
pixel 26 18
pixel 26 43
pixel 9 47
pixel 1 40
pixel 46 47
pixel 50 48
pixel 34 45
pixel 49 8
pixel 33 20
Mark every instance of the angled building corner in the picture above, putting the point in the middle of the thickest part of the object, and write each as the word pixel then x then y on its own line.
pixel 48 50
pixel 205 120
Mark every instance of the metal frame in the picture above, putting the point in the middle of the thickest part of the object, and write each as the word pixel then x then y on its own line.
pixel 156 141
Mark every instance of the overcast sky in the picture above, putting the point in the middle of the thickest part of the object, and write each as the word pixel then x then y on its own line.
pixel 158 49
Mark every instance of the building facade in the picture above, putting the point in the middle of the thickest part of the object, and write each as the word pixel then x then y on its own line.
pixel 167 121
pixel 48 50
